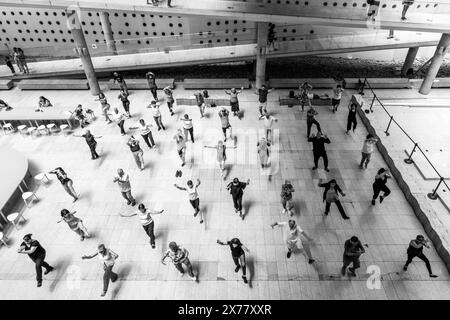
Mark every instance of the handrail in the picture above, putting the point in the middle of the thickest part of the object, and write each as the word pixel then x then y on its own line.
pixel 432 195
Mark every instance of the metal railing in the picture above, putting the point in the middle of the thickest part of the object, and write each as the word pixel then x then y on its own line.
pixel 432 195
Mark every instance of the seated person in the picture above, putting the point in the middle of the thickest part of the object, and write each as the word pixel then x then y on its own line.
pixel 3 104
pixel 43 103
pixel 80 116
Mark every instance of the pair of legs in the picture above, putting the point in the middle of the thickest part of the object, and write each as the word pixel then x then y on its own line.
pixel 24 66
pixel 126 107
pixel 170 106
pixel 94 153
pixel 335 104
pixel 139 158
pixel 240 264
pixel 349 260
pixel 182 155
pixel 376 191
pixel 405 8
pixel 237 201
pixel 108 275
pixel 263 107
pixel 150 231
pixel 351 120
pixel 148 138
pixel 196 205
pixel 122 129
pixel 339 206
pixel 159 123
pixel 235 108
pixel 105 114
pixel 322 155
pixel 127 196
pixel 188 265
pixel 201 108
pixel 224 130
pixel 154 93
pixel 264 159
pixel 68 186
pixel 309 124
pixel 221 166
pixel 189 131
pixel 423 258
pixel 123 86
pixel 11 67
pixel 365 159
pixel 40 262
pixel 287 206
pixel 269 135
pixel 19 64
pixel 81 231
pixel 305 249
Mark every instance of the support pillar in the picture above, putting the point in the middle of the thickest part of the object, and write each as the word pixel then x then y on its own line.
pixel 107 33
pixel 262 31
pixel 409 60
pixel 74 25
pixel 436 63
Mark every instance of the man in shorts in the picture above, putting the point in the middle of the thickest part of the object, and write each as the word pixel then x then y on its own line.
pixel 262 93
pixel 224 119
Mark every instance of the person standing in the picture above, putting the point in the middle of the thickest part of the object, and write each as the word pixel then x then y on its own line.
pixel 181 145
pixel 234 102
pixel 65 182
pixel 238 255
pixel 146 133
pixel 271 37
pixel 123 96
pixel 310 120
pixel 169 99
pixel 91 142
pixel 105 106
pixel 319 151
pixel 23 61
pixel 221 155
pixel 75 224
pixel 380 185
pixel 37 254
pixel 16 58
pixel 123 180
pixel 151 80
pixel 225 121
pixel 263 147
pixel 137 152
pixel 193 196
pixel 156 114
pixel 9 64
pixel 367 150
pixel 147 222
pixel 179 256
pixel 200 102
pixel 188 127
pixel 337 96
pixel 268 123
pixel 118 78
pixel 406 4
pixel 108 259
pixel 415 249
pixel 294 239
pixel 236 188
pixel 262 98
pixel 353 249
pixel 305 94
pixel 351 119
pixel 119 118
pixel 286 197
pixel 331 194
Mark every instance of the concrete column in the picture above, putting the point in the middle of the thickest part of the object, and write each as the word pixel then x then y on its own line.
pixel 409 60
pixel 436 62
pixel 262 31
pixel 107 32
pixel 74 25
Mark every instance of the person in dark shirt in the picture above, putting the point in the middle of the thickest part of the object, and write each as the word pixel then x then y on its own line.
pixel 9 64
pixel 120 81
pixel 200 102
pixel 380 185
pixel 123 96
pixel 319 151
pixel 415 249
pixel 36 253
pixel 91 142
pixel 353 249
pixel 237 254
pixel 236 188
pixel 271 37
pixel 310 120
pixel 331 194
pixel 286 197
pixel 80 116
pixel 151 80
pixel 351 119
pixel 66 182
pixel 262 93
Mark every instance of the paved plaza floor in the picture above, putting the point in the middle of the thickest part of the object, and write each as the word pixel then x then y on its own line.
pixel 386 229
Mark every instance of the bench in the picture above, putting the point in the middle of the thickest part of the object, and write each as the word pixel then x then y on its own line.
pixel 142 84
pixel 327 83
pixel 286 101
pixel 208 101
pixel 53 84
pixel 380 83
pixel 216 83
pixel 6 84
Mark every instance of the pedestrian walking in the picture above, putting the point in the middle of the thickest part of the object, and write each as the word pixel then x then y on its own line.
pixel 91 142
pixel 415 249
pixel 23 61
pixel 406 4
pixel 367 150
pixel 9 64
pixel 65 182
pixel 200 102
pixel 43 103
pixel 147 221
pixel 305 94
pixel 236 188
pixel 193 196
pixel 351 119
pixel 137 152
pixel 156 114
pixel 37 254
pixel 337 96
pixel 262 98
pixel 146 133
pixel 151 80
pixel 286 197
pixel 221 155
pixel 181 145
pixel 105 106
pixel 225 122
pixel 331 194
pixel 268 124
pixel 119 119
pixel 118 78
pixel 107 258
pixel 310 120
pixel 353 249
pixel 16 58
pixel 123 96
pixel 380 185
pixel 179 256
pixel 123 180
pixel 238 255
pixel 319 151
pixel 234 102
pixel 188 127
pixel 294 239
pixel 263 149
pixel 169 99
pixel 75 224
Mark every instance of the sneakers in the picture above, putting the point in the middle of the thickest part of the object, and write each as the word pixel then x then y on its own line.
pixel 373 202
pixel 82 238
pixel 433 275
pixel 245 279
pixel 289 254
pixel 133 203
pixel 241 215
pixel 311 261
pixel 49 270
pixel 39 284
pixel 381 199
pixel 178 173
pixel 153 246
pixel 327 170
pixel 237 268
pixel 201 221
pixel 128 202
pixel 103 294
pixel 405 268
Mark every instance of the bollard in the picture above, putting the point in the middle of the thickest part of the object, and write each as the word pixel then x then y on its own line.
pixel 389 124
pixel 409 160
pixel 434 195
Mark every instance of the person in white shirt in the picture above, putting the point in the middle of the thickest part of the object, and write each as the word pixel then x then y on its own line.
pixel 263 148
pixel 188 127
pixel 119 118
pixel 337 96
pixel 181 145
pixel 179 256
pixel 193 196
pixel 145 132
pixel 367 150
pixel 268 123
pixel 156 114
pixel 107 258
pixel 294 239
pixel 147 222
pixel 123 180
